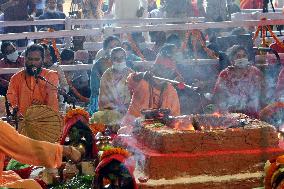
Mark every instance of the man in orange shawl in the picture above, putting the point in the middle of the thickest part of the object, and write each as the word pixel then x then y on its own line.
pixel 26 89
pixel 149 92
pixel 29 151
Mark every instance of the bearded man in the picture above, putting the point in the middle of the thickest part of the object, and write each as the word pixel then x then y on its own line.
pixel 149 92
pixel 26 89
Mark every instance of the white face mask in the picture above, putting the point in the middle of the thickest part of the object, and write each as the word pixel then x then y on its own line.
pixel 119 66
pixel 13 56
pixel 242 62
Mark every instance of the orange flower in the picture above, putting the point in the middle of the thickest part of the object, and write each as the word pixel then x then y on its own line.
pixel 97 127
pixel 113 151
pixel 78 111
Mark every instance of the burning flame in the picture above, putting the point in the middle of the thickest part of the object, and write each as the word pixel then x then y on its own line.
pixel 181 125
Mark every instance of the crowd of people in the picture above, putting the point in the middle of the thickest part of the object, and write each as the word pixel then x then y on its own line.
pixel 112 83
pixel 120 84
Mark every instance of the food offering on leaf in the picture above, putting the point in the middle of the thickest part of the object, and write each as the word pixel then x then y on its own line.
pixel 156 125
pixel 77 182
pixel 70 171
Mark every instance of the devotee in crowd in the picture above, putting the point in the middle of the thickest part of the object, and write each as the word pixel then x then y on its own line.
pixel 217 11
pixel 166 60
pixel 130 56
pixel 158 12
pixel 78 43
pixel 78 81
pixel 103 62
pixel 152 5
pixel 40 7
pixel 48 64
pixel 26 89
pixel 32 152
pixel 114 96
pixel 78 47
pixel 149 92
pixel 196 47
pixel 128 9
pixel 175 39
pixel 11 59
pixel 52 13
pixel 140 43
pixel 59 5
pixel 239 87
pixel 108 44
pixel 91 9
pixel 17 10
pixel 159 37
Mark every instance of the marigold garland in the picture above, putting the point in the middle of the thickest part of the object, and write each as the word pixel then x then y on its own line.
pixel 197 35
pixel 113 151
pixel 134 47
pixel 78 111
pixel 263 29
pixel 97 127
pixel 53 43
